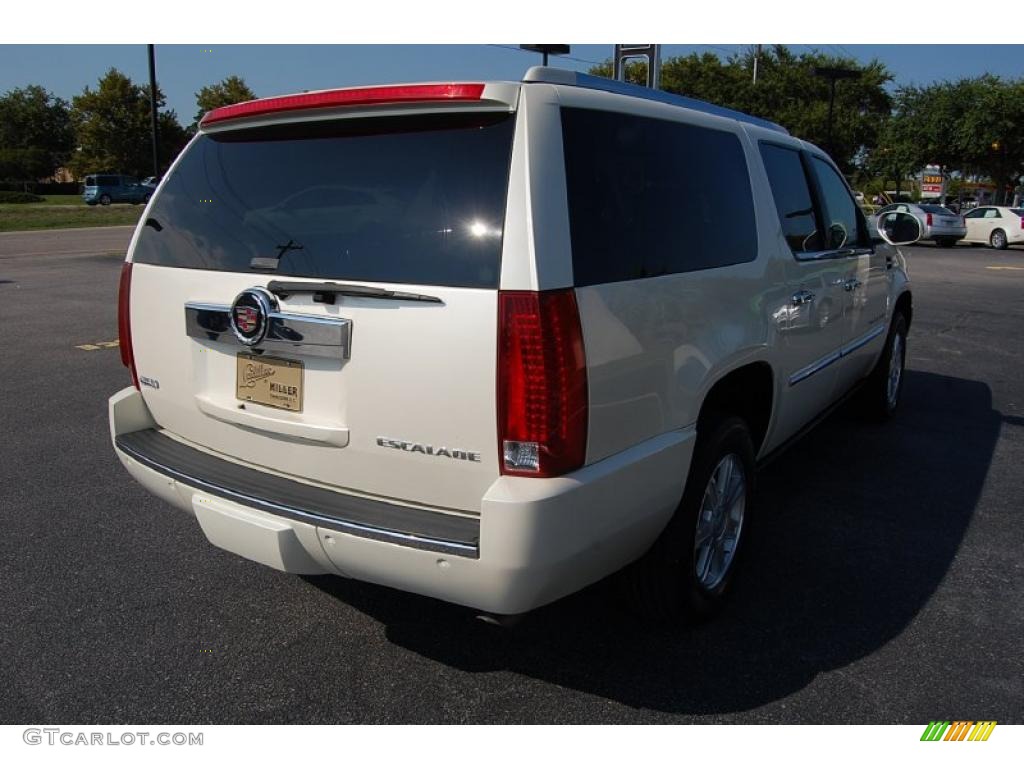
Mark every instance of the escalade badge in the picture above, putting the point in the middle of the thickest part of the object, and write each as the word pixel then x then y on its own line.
pixel 250 315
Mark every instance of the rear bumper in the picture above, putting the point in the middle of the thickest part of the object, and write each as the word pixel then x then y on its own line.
pixel 931 233
pixel 535 540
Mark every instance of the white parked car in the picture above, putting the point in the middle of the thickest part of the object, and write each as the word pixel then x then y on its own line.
pixel 528 334
pixel 938 223
pixel 997 225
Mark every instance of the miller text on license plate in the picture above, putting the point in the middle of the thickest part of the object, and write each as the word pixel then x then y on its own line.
pixel 269 381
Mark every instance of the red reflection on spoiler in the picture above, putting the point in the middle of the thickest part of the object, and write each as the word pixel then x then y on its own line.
pixel 347 97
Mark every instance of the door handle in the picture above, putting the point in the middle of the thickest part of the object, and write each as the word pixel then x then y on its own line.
pixel 802 297
pixel 852 284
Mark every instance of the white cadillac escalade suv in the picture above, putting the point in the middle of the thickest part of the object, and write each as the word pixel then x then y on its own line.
pixel 493 342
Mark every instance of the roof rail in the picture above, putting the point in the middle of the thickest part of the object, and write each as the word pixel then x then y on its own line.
pixel 567 77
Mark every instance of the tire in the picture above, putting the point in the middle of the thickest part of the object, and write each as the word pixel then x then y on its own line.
pixel 998 240
pixel 104 199
pixel 674 583
pixel 884 386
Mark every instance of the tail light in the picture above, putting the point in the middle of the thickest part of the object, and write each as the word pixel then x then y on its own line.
pixel 928 219
pixel 542 383
pixel 124 321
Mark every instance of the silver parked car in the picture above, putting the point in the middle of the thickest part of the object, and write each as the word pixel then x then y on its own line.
pixel 938 223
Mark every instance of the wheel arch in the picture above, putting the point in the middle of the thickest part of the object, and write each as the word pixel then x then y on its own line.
pixel 747 391
pixel 905 306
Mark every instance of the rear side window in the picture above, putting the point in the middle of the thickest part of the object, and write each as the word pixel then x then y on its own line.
pixel 90 181
pixel 108 181
pixel 792 196
pixel 653 197
pixel 398 200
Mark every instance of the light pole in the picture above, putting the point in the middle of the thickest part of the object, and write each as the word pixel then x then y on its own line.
pixel 152 110
pixel 832 74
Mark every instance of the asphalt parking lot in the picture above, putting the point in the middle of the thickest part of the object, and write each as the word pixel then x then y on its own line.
pixel 885 586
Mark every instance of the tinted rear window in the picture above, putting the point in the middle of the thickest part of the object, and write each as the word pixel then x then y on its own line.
pixel 1017 211
pixel 400 200
pixel 937 209
pixel 653 197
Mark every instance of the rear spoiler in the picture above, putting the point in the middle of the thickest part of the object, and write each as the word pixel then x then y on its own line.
pixel 498 94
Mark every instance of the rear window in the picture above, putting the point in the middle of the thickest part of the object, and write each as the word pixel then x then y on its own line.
pixel 90 181
pixel 397 200
pixel 653 197
pixel 937 209
pixel 1017 211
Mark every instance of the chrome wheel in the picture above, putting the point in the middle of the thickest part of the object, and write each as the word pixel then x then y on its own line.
pixel 892 391
pixel 720 521
pixel 998 240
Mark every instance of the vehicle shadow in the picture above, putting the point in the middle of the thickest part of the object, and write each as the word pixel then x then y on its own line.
pixel 859 523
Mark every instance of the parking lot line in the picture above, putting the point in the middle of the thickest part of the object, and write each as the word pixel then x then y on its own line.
pixel 98 345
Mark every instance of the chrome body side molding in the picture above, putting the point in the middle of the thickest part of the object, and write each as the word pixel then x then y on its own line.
pixel 831 357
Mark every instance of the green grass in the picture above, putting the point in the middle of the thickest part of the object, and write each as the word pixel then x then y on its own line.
pixel 63 200
pixel 59 213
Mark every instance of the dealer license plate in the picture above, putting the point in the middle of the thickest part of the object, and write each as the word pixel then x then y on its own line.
pixel 269 381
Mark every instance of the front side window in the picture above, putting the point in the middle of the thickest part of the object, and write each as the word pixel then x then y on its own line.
pixel 977 213
pixel 792 197
pixel 842 222
pixel 653 197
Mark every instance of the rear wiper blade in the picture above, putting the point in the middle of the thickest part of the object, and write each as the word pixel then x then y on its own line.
pixel 327 291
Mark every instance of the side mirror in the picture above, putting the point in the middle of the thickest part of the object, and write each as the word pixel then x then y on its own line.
pixel 898 228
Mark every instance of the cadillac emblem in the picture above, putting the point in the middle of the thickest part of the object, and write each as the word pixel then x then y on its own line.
pixel 250 315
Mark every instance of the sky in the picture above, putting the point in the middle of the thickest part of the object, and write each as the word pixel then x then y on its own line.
pixel 276 69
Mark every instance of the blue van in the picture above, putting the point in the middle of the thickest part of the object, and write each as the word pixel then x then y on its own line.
pixel 107 188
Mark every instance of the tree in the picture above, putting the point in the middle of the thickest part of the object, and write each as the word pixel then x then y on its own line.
pixel 893 156
pixel 988 135
pixel 230 90
pixel 787 92
pixel 970 126
pixel 112 128
pixel 35 134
